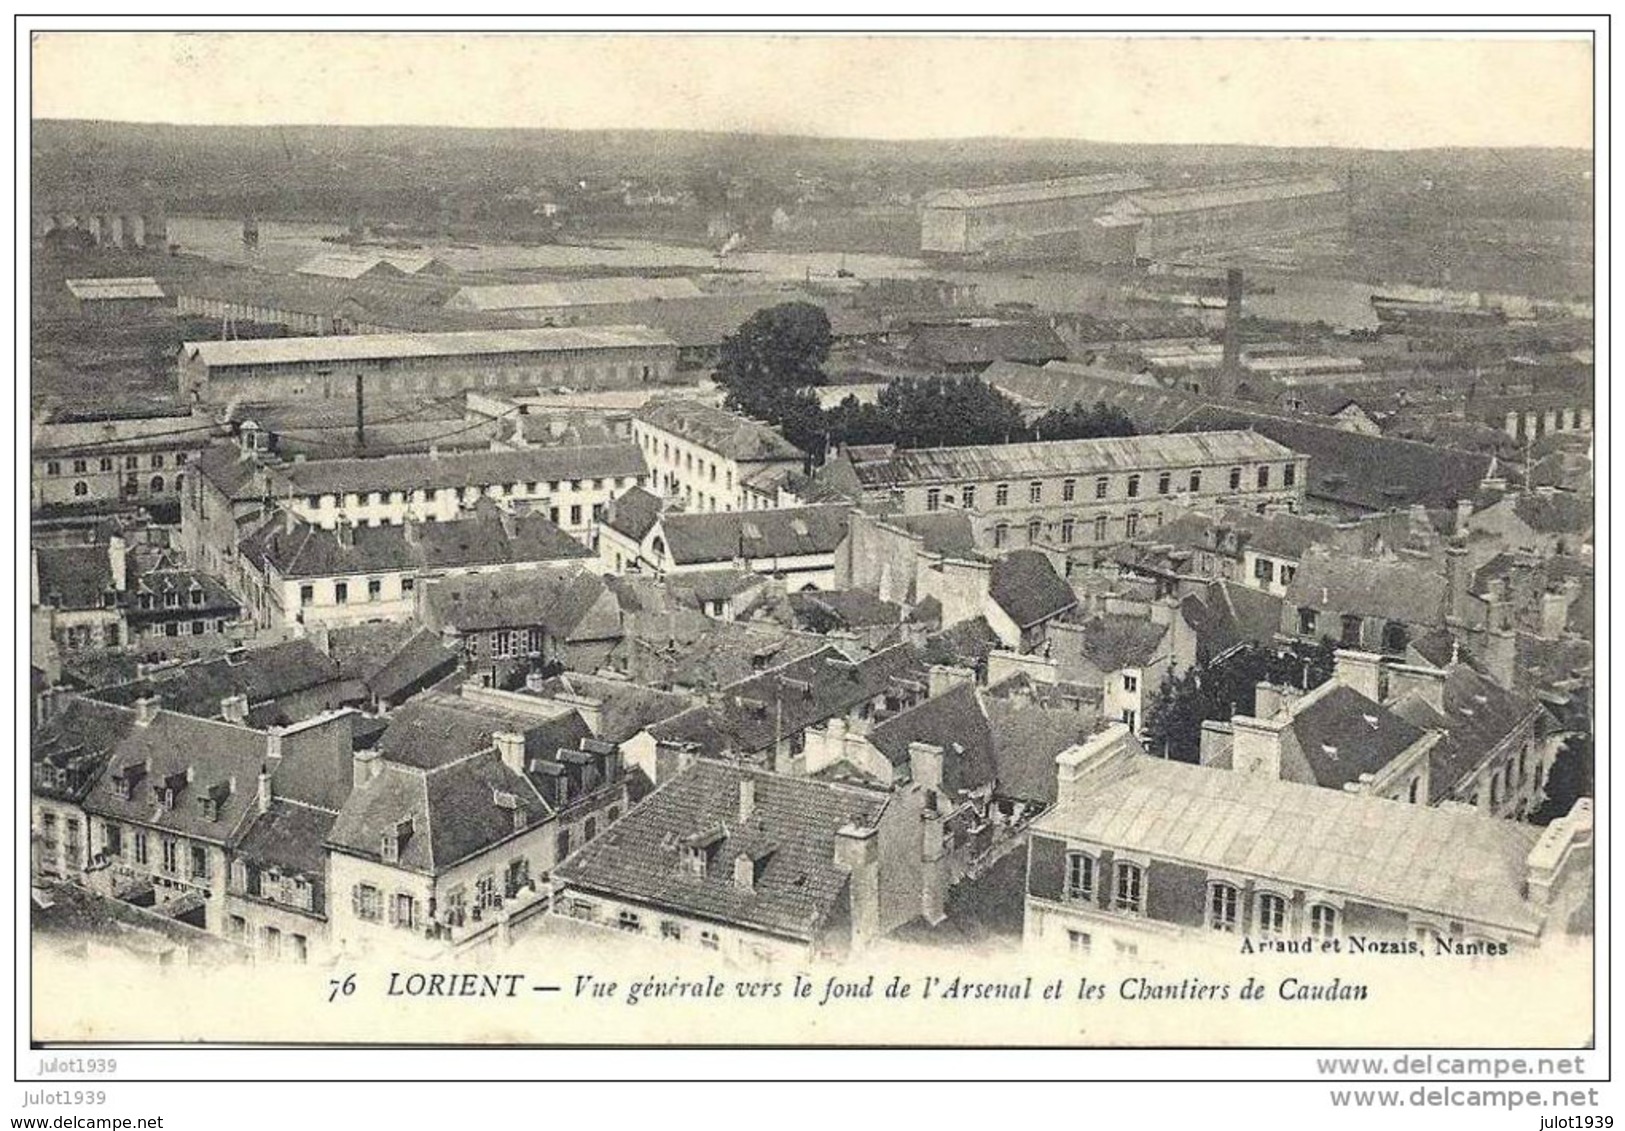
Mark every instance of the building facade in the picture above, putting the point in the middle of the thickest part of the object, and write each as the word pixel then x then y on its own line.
pixel 710 459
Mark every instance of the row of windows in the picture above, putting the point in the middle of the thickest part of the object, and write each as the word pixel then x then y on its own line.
pixel 172 599
pixel 180 628
pixel 469 494
pixel 935 497
pixel 341 591
pixel 138 848
pixel 156 485
pixel 110 463
pixel 270 941
pixel 663 450
pixel 1068 528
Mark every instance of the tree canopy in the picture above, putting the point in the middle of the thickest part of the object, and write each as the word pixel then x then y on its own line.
pixel 1569 779
pixel 1220 689
pixel 1083 423
pixel 928 412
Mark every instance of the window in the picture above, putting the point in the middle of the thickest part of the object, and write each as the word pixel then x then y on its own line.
pixel 140 847
pixel 1133 486
pixel 1263 476
pixel 1078 942
pixel 933 499
pixel 589 829
pixel 407 585
pixel 81 489
pixel 368 902
pixel 157 462
pixel 200 862
pixel 1131 683
pixel 709 940
pixel 403 910
pixel 80 466
pixel 1322 920
pixel 1288 573
pixel 670 931
pixel 53 467
pixel 375 589
pixel 1035 531
pixel 1165 483
pixel 1415 789
pixel 1307 619
pixel 341 592
pixel 1001 534
pixel 1035 491
pixel 301 948
pixel 1235 478
pixel 132 462
pixel 271 943
pixel 516 877
pixel 1271 914
pixel 575 515
pixel 172 856
pixel 1069 490
pixel 1264 570
pixel 968 496
pixel 1222 903
pixel 485 891
pixel 1130 887
pixel 236 927
pixel 1080 876
pixel 307 594
pixel 629 921
pixel 1066 530
pixel 1100 487
pixel 157 483
pixel 1100 528
pixel 1196 481
pixel 1001 495
pixel 1350 637
pixel 1289 475
pixel 1125 949
pixel 1131 525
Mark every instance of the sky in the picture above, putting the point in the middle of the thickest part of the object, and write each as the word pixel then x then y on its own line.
pixel 1369 93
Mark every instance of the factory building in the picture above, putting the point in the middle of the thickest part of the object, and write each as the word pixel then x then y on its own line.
pixel 1215 218
pixel 1018 217
pixel 331 368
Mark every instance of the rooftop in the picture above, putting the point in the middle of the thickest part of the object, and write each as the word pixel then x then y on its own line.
pixel 648 856
pixel 1199 197
pixel 91 290
pixel 1369 587
pixel 558 600
pixel 572 292
pixel 1025 585
pixel 437 727
pixel 716 429
pixel 781 533
pixel 1451 862
pixel 463 469
pixel 1032 192
pixel 392 347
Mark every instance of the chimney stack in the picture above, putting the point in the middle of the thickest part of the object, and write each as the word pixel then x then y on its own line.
pixel 744 872
pixel 857 852
pixel 1362 671
pixel 747 798
pixel 1428 682
pixel 264 791
pixel 1256 745
pixel 234 709
pixel 365 765
pixel 1097 758
pixel 1554 614
pixel 511 748
pixel 925 765
pixel 1232 326
pixel 118 562
pixel 146 709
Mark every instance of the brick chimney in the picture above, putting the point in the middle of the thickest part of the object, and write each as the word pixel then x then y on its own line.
pixel 857 852
pixel 118 562
pixel 1554 614
pixel 925 764
pixel 747 798
pixel 1362 671
pixel 1270 699
pixel 263 794
pixel 146 709
pixel 1428 682
pixel 366 765
pixel 1256 745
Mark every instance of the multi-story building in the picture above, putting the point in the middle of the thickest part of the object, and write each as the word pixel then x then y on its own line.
pixel 1085 493
pixel 535 618
pixel 120 458
pixel 297 573
pixel 1142 856
pixel 797 544
pixel 430 364
pixel 710 459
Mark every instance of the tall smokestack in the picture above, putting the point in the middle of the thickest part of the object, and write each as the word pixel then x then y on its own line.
pixel 1232 328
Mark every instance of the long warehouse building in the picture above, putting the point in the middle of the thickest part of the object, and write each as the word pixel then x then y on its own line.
pixel 283 369
pixel 1018 217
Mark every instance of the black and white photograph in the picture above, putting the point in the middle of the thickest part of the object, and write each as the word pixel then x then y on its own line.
pixel 719 537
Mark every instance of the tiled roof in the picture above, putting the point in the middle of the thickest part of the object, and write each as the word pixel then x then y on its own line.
pixel 716 429
pixel 1026 739
pixel 340 348
pixel 452 809
pixel 1025 585
pixel 949 533
pixel 482 539
pixel 436 727
pixel 289 836
pixel 1084 457
pixel 75 577
pixel 69 750
pixel 624 707
pixel 1452 863
pixel 558 600
pixel 1150 409
pixel 573 292
pixel 421 660
pixel 781 533
pixel 1367 472
pixel 684 648
pixel 260 675
pixel 634 514
pixel 226 469
pixel 954 721
pixel 195 757
pixel 750 715
pixel 463 469
pixel 831 609
pixel 1369 587
pixel 1478 714
pixel 790 835
pixel 1031 192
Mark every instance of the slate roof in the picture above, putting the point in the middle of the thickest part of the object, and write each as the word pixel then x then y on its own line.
pixel 237 478
pixel 572 292
pixel 195 755
pixel 1453 863
pixel 625 708
pixel 341 348
pixel 1025 585
pixel 954 721
pixel 1339 734
pixel 1083 457
pixel 685 648
pixel 1150 409
pixel 1478 714
pixel 1370 587
pixel 479 540
pixel 716 429
pixel 790 835
pixel 75 577
pixel 1029 192
pixel 844 608
pixel 748 716
pixel 452 808
pixel 436 727
pixel 539 464
pixel 559 600
pixel 68 751
pixel 289 837
pixel 780 533
pixel 261 675
pixel 949 533
pixel 634 514
pixel 1026 739
pixel 1374 473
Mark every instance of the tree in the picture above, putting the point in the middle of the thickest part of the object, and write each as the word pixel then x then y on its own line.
pixel 1081 423
pixel 776 354
pixel 1221 689
pixel 935 412
pixel 1570 778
